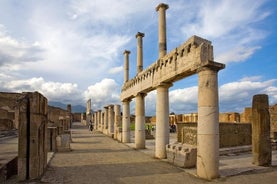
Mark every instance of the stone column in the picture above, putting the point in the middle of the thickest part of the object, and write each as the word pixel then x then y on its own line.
pixel 126 122
pixel 106 121
pixel 261 144
pixel 126 65
pixel 139 37
pixel 102 120
pixel 140 122
pixel 208 124
pixel 111 120
pixel 95 119
pixel 162 120
pixel 116 120
pixel 162 29
pixel 99 120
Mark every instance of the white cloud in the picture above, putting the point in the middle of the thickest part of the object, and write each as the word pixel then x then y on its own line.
pixel 116 70
pixel 53 91
pixel 231 26
pixel 14 53
pixel 103 93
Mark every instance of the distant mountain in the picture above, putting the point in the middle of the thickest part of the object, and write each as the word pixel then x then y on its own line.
pixel 74 108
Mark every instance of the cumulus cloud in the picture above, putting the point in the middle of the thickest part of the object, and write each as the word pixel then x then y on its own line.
pixel 53 91
pixel 15 52
pixel 233 27
pixel 116 70
pixel 103 93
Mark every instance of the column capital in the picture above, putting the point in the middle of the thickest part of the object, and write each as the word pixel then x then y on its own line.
pixel 211 65
pixel 164 84
pixel 127 100
pixel 162 5
pixel 141 94
pixel 139 34
pixel 126 52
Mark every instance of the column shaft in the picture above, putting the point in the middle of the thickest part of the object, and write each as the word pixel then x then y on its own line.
pixel 126 122
pixel 161 8
pixel 139 37
pixel 208 125
pixel 140 122
pixel 111 120
pixel 117 118
pixel 126 65
pixel 106 119
pixel 162 121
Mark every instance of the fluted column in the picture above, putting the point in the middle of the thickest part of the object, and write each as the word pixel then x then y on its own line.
pixel 139 37
pixel 162 120
pixel 208 124
pixel 126 65
pixel 140 122
pixel 161 8
pixel 126 121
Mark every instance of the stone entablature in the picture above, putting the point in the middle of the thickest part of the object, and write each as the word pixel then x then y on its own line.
pixel 179 63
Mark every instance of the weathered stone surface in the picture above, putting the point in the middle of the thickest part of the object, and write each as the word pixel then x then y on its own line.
pixel 63 142
pixel 181 155
pixel 261 145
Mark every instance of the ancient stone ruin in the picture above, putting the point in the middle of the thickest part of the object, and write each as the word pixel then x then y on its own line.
pixel 41 129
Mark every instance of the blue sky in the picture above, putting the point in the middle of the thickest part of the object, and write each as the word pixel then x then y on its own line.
pixel 71 51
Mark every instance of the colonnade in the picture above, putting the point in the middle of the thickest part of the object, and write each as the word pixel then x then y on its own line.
pixel 208 112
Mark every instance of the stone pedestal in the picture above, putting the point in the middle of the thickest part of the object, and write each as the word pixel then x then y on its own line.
pixel 162 121
pixel 208 125
pixel 261 145
pixel 140 122
pixel 126 122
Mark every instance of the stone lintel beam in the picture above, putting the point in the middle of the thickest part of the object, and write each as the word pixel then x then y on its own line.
pixel 186 60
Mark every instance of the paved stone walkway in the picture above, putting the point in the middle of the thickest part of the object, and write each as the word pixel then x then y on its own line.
pixel 97 158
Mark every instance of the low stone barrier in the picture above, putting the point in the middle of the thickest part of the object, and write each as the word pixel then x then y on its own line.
pixel 181 155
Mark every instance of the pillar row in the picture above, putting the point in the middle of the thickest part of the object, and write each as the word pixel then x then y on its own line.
pixel 208 124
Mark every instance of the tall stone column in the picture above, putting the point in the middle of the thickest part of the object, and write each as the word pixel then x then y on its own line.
pixel 162 29
pixel 102 120
pixel 126 122
pixel 126 65
pixel 140 122
pixel 139 37
pixel 106 121
pixel 96 120
pixel 261 144
pixel 162 120
pixel 117 118
pixel 208 124
pixel 111 120
pixel 99 119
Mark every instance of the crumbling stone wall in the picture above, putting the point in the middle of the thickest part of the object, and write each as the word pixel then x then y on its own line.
pixel 230 134
pixel 32 147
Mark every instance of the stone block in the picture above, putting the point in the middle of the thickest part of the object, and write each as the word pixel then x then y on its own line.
pixel 63 143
